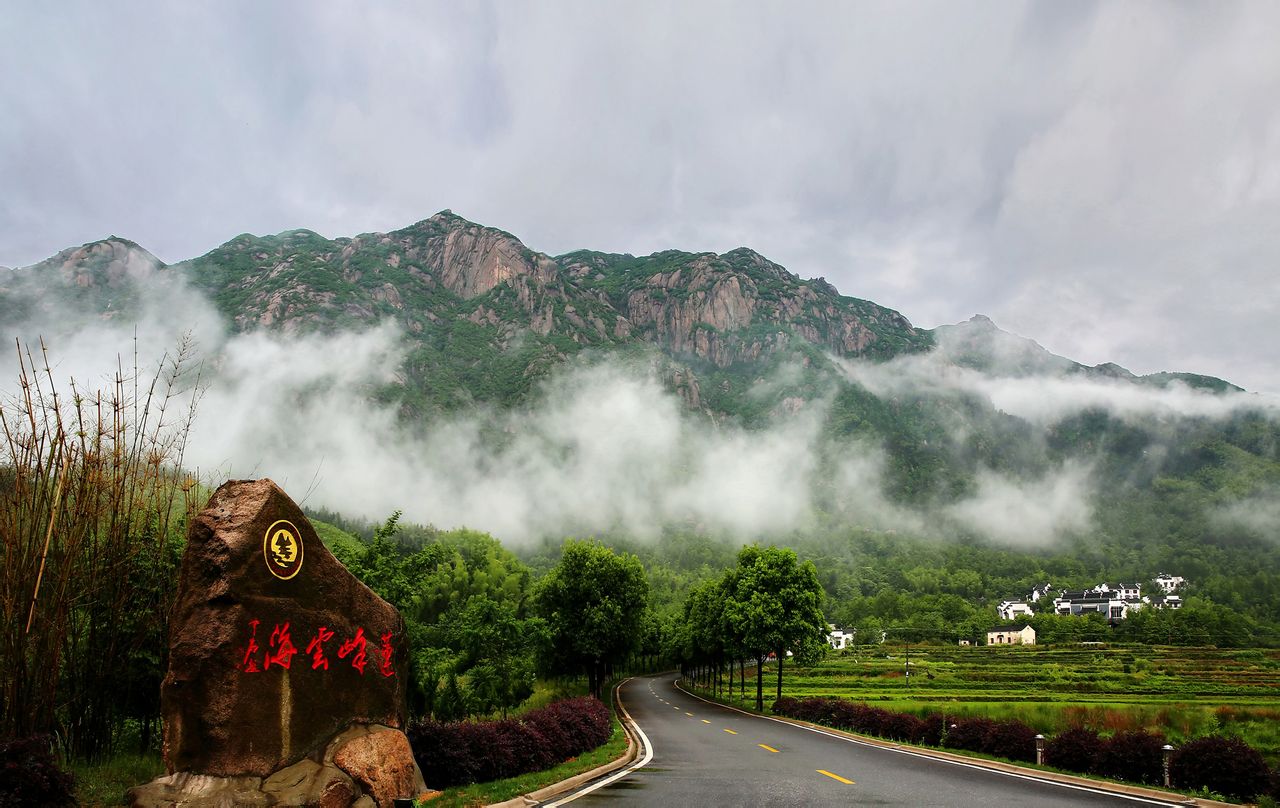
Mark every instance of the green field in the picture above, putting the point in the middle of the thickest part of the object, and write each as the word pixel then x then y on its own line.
pixel 1181 692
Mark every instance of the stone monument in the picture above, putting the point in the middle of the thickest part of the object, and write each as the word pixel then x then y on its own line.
pixel 286 680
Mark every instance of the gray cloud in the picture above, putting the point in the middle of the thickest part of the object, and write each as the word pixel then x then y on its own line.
pixel 601 447
pixel 1104 178
pixel 1046 399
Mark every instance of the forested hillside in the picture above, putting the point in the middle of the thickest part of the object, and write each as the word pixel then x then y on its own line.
pixel 683 403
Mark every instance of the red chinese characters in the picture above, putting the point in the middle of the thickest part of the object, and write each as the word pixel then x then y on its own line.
pixel 248 664
pixel 384 656
pixel 357 644
pixel 280 650
pixel 316 648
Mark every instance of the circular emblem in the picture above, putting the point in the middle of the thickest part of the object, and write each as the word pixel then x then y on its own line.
pixel 282 548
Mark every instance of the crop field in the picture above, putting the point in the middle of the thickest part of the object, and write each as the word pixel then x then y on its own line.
pixel 1181 692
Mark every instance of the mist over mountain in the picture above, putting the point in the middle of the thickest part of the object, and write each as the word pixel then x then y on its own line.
pixel 447 369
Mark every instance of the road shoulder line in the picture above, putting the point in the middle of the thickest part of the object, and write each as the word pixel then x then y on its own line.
pixel 1137 793
pixel 637 740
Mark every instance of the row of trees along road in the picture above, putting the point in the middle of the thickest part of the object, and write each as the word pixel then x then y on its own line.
pixel 769 602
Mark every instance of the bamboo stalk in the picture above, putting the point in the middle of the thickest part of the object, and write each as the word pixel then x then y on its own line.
pixel 48 534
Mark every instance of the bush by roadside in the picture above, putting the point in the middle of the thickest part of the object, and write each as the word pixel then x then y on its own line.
pixel 1222 765
pixel 461 752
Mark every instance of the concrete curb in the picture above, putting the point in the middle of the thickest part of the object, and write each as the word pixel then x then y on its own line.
pixel 983 763
pixel 555 789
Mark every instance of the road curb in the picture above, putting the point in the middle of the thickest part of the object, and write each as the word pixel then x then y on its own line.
pixel 556 789
pixel 983 763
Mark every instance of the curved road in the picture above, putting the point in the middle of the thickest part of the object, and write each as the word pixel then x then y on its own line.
pixel 705 754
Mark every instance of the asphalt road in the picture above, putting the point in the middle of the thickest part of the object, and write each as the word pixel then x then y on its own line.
pixel 708 755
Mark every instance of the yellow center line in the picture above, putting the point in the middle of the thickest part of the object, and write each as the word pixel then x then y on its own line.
pixel 766 748
pixel 836 777
pixel 731 732
pixel 688 714
pixel 705 721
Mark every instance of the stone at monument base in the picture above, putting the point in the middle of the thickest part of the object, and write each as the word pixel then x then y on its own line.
pixel 367 765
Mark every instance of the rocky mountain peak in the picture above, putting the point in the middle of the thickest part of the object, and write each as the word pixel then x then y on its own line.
pixel 111 261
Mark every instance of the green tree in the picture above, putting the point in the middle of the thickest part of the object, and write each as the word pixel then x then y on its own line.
pixel 594 604
pixel 776 606
pixel 496 651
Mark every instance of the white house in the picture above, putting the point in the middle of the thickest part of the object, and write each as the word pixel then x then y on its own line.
pixel 1120 591
pixel 839 638
pixel 1011 635
pixel 1106 603
pixel 1040 591
pixel 1169 583
pixel 1013 609
pixel 1166 602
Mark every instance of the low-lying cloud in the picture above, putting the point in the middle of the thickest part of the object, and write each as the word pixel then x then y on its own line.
pixel 1044 399
pixel 602 446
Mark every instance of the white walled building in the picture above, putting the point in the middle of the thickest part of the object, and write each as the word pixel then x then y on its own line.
pixel 838 638
pixel 1013 609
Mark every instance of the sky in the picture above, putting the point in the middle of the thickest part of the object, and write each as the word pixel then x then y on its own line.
pixel 1102 178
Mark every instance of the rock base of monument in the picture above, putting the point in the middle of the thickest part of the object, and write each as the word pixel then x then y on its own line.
pixel 368 765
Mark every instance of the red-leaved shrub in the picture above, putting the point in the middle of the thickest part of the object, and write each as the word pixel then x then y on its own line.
pixel 970 734
pixel 1228 766
pixel 30 776
pixel 1013 740
pixel 786 706
pixel 1136 756
pixel 1075 750
pixel 478 751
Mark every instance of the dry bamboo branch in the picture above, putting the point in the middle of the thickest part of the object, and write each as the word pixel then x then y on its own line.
pixel 48 535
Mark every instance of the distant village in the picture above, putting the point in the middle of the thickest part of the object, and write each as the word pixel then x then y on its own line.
pixel 1113 602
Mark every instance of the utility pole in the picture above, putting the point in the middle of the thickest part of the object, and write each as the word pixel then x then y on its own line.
pixel 908 663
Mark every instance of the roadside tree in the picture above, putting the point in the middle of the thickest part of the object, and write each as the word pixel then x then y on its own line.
pixel 594 604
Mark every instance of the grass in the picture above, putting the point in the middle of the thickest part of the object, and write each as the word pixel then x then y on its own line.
pixel 1183 693
pixel 101 784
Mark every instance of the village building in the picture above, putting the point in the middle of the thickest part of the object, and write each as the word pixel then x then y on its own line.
pixel 1108 603
pixel 838 638
pixel 1011 635
pixel 1170 583
pixel 1013 609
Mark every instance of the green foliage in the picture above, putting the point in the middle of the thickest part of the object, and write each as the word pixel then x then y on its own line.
pixel 497 651
pixel 463 597
pixel 593 603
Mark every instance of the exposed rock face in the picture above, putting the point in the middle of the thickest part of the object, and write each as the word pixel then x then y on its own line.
pixel 379 760
pixel 364 766
pixel 274 646
pixel 439 277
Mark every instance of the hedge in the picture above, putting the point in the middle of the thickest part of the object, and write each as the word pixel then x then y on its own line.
pixel 460 752
pixel 1226 765
pixel 1223 765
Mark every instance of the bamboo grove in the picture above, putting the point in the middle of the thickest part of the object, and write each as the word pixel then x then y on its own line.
pixel 92 509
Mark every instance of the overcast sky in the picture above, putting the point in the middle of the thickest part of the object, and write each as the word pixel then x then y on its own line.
pixel 1102 178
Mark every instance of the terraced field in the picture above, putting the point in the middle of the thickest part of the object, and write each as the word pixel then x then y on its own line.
pixel 1182 692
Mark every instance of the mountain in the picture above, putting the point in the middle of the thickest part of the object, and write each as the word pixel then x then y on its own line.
pixel 737 336
pixel 485 316
pixel 979 344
